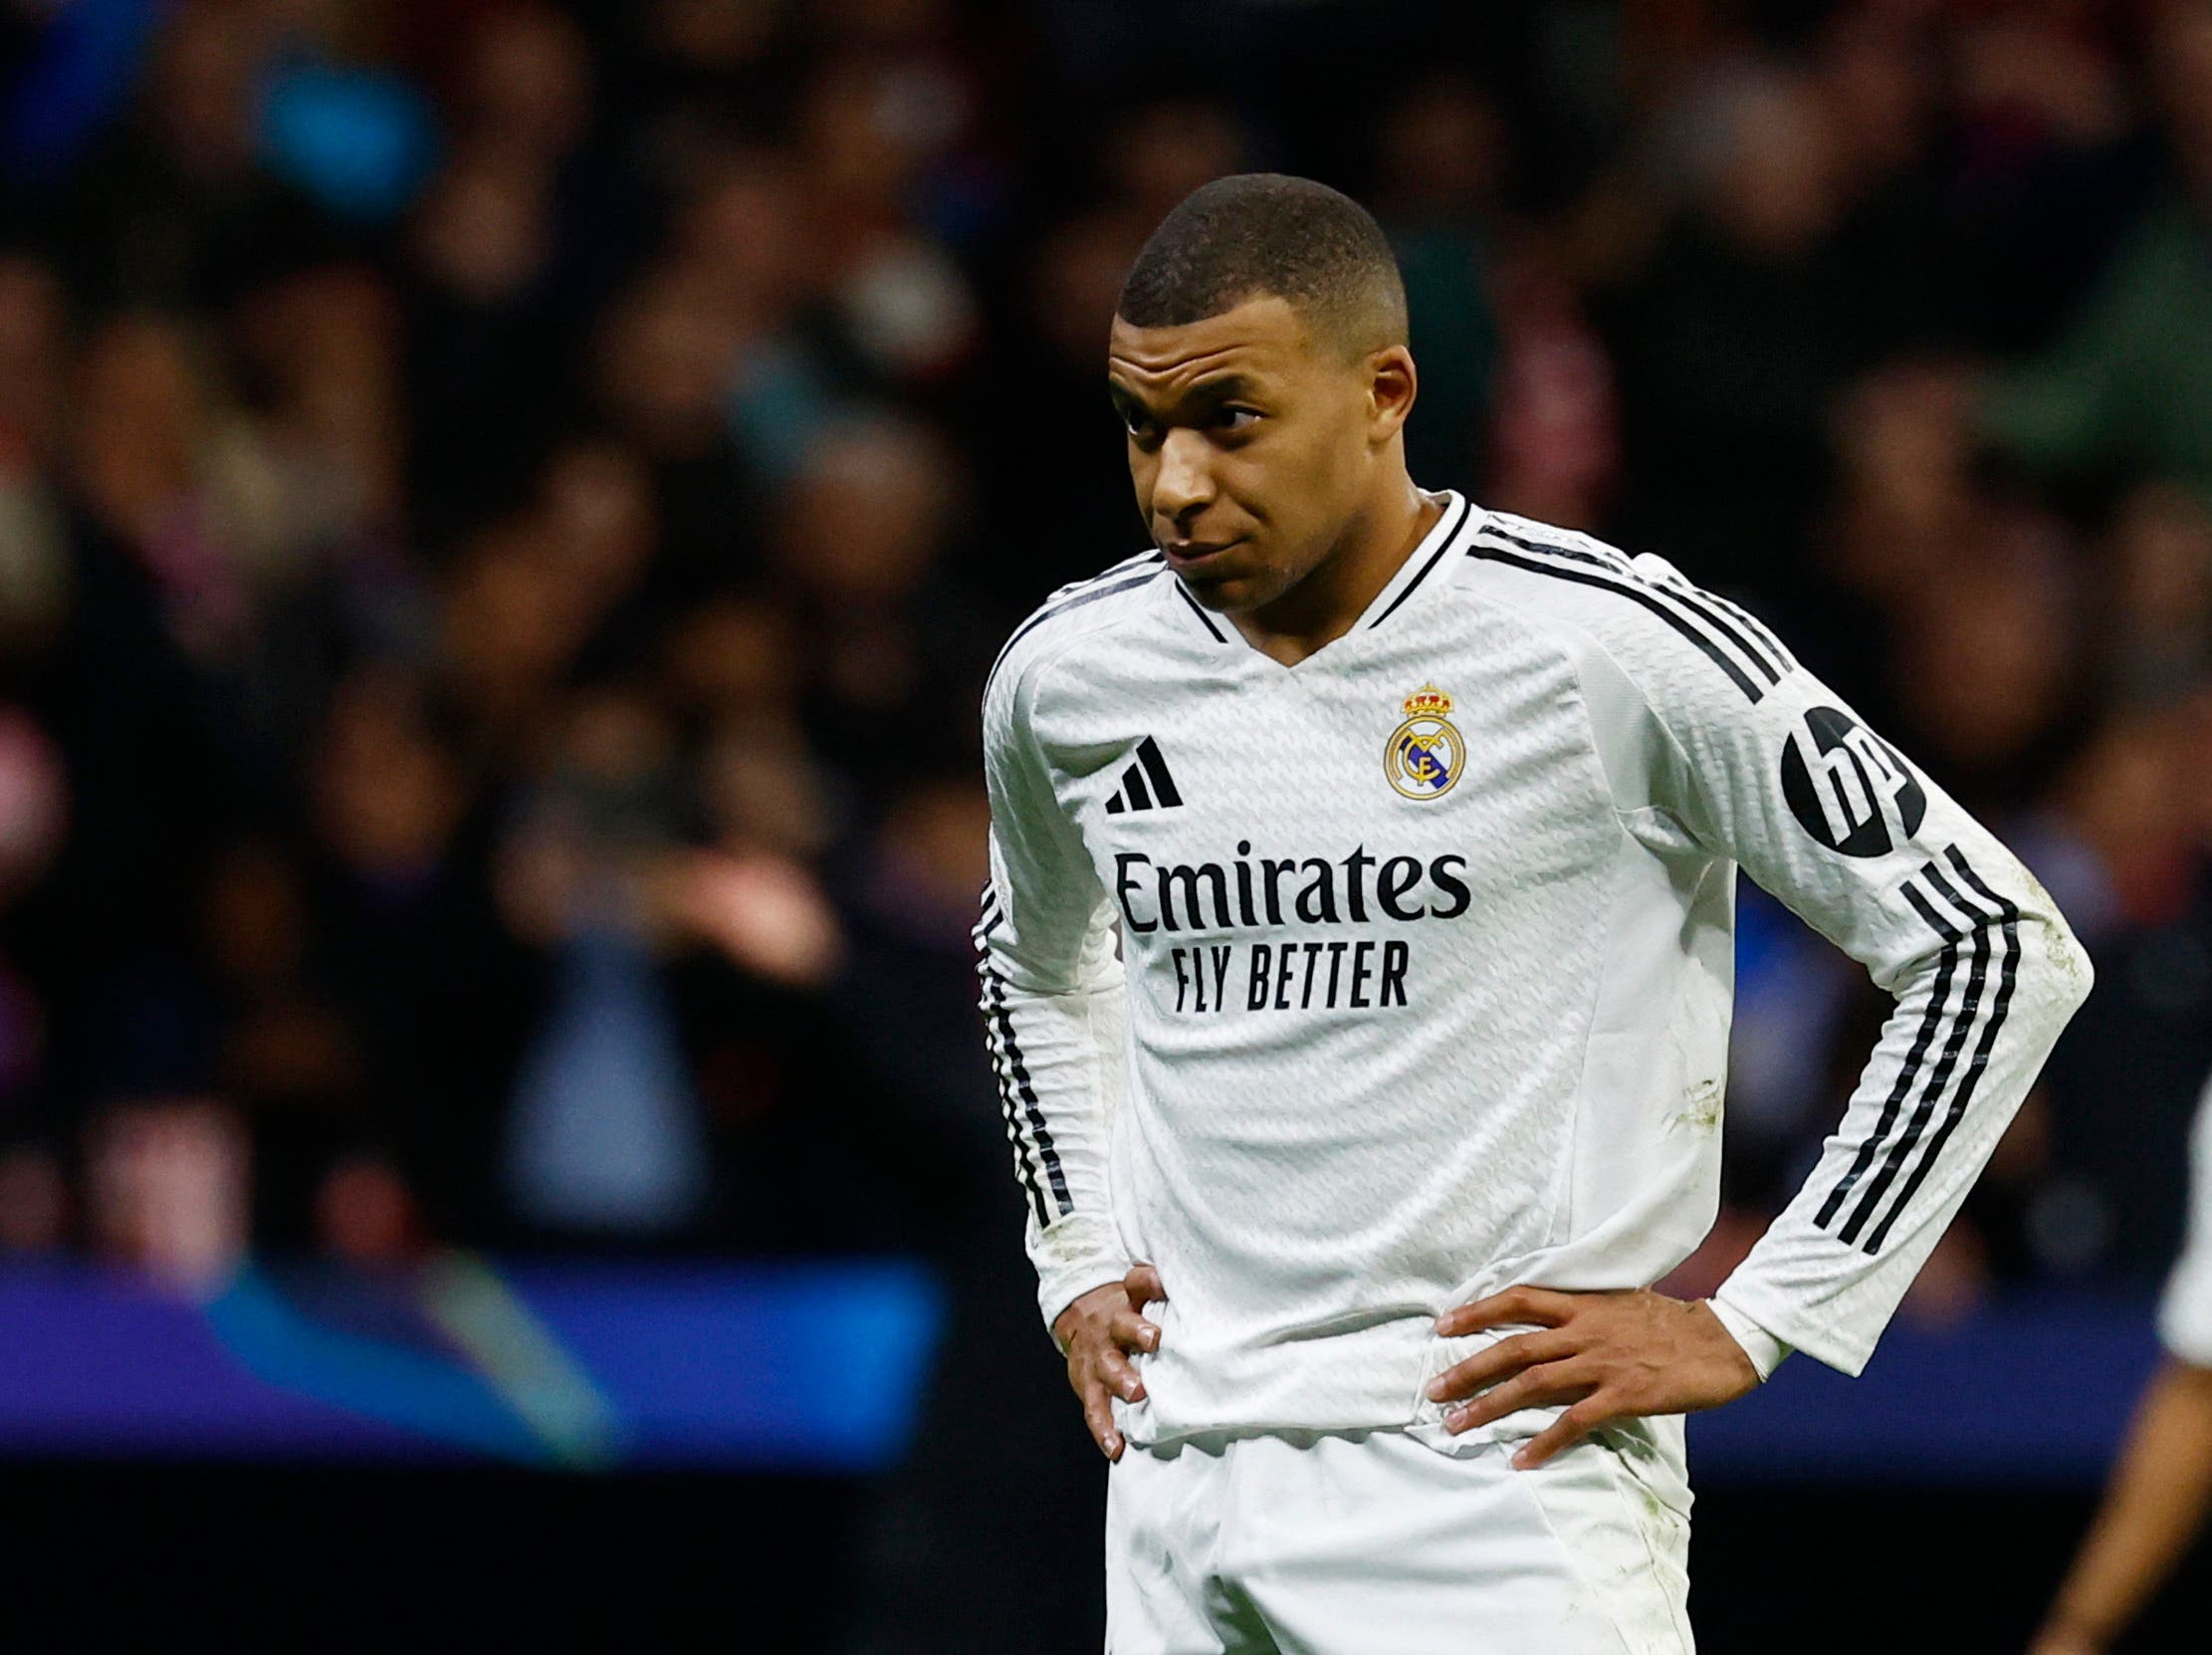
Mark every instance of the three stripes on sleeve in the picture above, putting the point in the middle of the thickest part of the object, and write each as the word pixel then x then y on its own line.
pixel 1036 1162
pixel 1945 1027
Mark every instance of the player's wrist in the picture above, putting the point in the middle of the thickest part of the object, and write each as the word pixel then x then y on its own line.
pixel 1760 1348
pixel 1078 1255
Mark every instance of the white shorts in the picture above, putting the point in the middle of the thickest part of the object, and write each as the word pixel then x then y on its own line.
pixel 1399 1543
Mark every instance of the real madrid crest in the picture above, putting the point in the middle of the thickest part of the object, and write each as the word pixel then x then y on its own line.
pixel 1426 752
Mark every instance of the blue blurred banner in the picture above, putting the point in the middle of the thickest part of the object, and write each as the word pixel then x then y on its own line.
pixel 820 1369
pixel 801 1367
pixel 2036 1388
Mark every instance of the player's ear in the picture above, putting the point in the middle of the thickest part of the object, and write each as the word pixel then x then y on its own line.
pixel 1391 387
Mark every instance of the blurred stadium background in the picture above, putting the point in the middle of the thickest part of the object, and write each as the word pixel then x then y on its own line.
pixel 503 512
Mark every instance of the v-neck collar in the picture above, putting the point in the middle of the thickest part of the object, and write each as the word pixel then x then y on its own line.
pixel 1413 572
pixel 1420 564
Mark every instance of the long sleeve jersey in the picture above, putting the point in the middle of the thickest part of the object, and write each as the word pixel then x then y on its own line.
pixel 1426 962
pixel 2185 1309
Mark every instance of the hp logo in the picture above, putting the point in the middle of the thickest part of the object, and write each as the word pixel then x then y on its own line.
pixel 1848 787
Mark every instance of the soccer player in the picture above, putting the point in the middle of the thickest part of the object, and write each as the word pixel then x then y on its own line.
pixel 1348 1172
pixel 2164 1478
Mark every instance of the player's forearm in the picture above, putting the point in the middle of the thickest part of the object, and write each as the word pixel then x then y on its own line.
pixel 2150 1513
pixel 1976 1017
pixel 1058 1062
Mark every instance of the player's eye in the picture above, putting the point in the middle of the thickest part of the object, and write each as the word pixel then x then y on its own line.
pixel 1144 429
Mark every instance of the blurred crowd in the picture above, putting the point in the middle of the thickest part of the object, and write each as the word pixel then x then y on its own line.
pixel 505 510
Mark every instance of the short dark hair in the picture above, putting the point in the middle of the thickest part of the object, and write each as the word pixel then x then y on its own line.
pixel 1256 233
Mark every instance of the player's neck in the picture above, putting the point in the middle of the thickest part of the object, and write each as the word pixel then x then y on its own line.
pixel 1322 608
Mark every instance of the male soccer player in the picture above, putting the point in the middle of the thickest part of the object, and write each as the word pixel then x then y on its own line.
pixel 1348 1174
pixel 2163 1481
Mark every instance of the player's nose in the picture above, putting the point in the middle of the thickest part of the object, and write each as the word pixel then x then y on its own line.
pixel 1183 484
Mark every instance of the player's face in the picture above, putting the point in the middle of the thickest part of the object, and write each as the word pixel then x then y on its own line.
pixel 1250 446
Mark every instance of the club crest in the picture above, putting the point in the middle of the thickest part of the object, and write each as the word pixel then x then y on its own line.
pixel 1426 754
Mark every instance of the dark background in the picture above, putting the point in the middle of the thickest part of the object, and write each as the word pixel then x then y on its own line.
pixel 504 513
pixel 506 1560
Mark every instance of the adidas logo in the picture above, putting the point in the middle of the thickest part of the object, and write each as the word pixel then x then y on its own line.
pixel 1145 785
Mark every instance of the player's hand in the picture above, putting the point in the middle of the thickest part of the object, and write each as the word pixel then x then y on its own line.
pixel 1609 1355
pixel 1098 1332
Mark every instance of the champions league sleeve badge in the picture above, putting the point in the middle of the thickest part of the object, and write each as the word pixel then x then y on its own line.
pixel 1426 754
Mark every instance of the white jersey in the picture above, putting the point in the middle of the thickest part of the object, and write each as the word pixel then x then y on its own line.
pixel 2185 1313
pixel 1426 963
